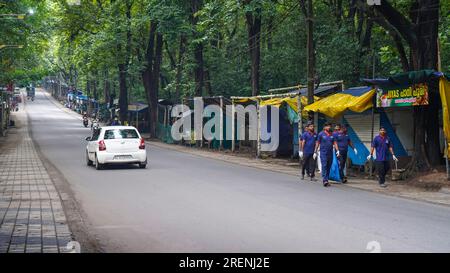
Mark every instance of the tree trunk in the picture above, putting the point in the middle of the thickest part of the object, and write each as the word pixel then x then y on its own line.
pixel 427 31
pixel 199 69
pixel 253 20
pixel 123 66
pixel 421 32
pixel 88 88
pixel 94 86
pixel 154 85
pixel 310 51
pixel 123 93
pixel 147 73
pixel 107 87
pixel 180 62
pixel 208 86
pixel 198 50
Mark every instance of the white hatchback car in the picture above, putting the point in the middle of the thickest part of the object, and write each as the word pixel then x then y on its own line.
pixel 116 145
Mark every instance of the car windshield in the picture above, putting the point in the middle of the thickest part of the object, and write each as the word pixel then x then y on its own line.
pixel 121 134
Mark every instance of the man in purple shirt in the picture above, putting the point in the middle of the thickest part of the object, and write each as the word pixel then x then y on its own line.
pixel 343 142
pixel 326 142
pixel 382 146
pixel 306 151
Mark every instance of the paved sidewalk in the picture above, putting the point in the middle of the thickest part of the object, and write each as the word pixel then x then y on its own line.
pixel 31 215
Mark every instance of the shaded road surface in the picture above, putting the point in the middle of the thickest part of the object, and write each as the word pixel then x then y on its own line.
pixel 185 203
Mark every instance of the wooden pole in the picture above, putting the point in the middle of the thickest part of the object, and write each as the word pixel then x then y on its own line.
pixel 300 120
pixel 446 159
pixel 201 126
pixel 291 94
pixel 310 51
pixel 183 102
pixel 285 88
pixel 258 140
pixel 233 139
pixel 221 124
pixel 371 138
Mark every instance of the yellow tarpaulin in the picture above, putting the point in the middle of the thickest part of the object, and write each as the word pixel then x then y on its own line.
pixel 244 100
pixel 335 105
pixel 291 101
pixel 444 91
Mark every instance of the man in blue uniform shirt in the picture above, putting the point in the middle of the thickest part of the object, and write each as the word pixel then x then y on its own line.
pixel 343 141
pixel 326 142
pixel 306 151
pixel 382 145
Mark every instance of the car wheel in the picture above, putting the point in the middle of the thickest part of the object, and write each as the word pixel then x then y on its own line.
pixel 88 161
pixel 142 165
pixel 98 166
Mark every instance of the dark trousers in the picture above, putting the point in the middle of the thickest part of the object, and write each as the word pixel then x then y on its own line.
pixel 382 169
pixel 309 165
pixel 342 161
pixel 326 160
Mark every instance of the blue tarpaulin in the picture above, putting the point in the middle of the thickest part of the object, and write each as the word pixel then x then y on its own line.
pixel 82 97
pixel 334 171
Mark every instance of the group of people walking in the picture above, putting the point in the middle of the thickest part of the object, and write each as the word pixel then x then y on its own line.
pixel 327 142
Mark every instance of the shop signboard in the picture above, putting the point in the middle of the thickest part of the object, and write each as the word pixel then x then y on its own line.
pixel 414 95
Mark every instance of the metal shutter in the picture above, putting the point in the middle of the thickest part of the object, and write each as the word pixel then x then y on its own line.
pixel 362 125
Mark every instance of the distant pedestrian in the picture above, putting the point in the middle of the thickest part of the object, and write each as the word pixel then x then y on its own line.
pixel 343 142
pixel 306 152
pixel 382 145
pixel 326 142
pixel 115 122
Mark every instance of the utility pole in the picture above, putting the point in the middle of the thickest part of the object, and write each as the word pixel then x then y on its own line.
pixel 310 52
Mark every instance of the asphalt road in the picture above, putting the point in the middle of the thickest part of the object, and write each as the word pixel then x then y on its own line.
pixel 185 203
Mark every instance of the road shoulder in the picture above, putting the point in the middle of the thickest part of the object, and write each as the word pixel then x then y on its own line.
pixel 402 190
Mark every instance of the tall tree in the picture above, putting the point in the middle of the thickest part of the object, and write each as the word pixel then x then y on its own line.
pixel 253 16
pixel 420 32
pixel 199 76
pixel 124 62
pixel 151 73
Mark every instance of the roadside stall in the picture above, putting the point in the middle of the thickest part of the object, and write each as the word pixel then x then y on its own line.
pixel 444 92
pixel 387 102
pixel 138 114
pixel 216 143
pixel 163 129
pixel 289 105
pixel 341 108
pixel 81 103
pixel 398 96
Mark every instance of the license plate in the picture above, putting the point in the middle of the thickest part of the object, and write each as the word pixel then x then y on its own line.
pixel 122 157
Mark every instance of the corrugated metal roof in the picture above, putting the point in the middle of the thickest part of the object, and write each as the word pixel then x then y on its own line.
pixel 357 91
pixel 321 91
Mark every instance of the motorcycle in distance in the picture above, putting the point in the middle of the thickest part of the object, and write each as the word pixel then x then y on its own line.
pixel 30 92
pixel 85 121
pixel 94 124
